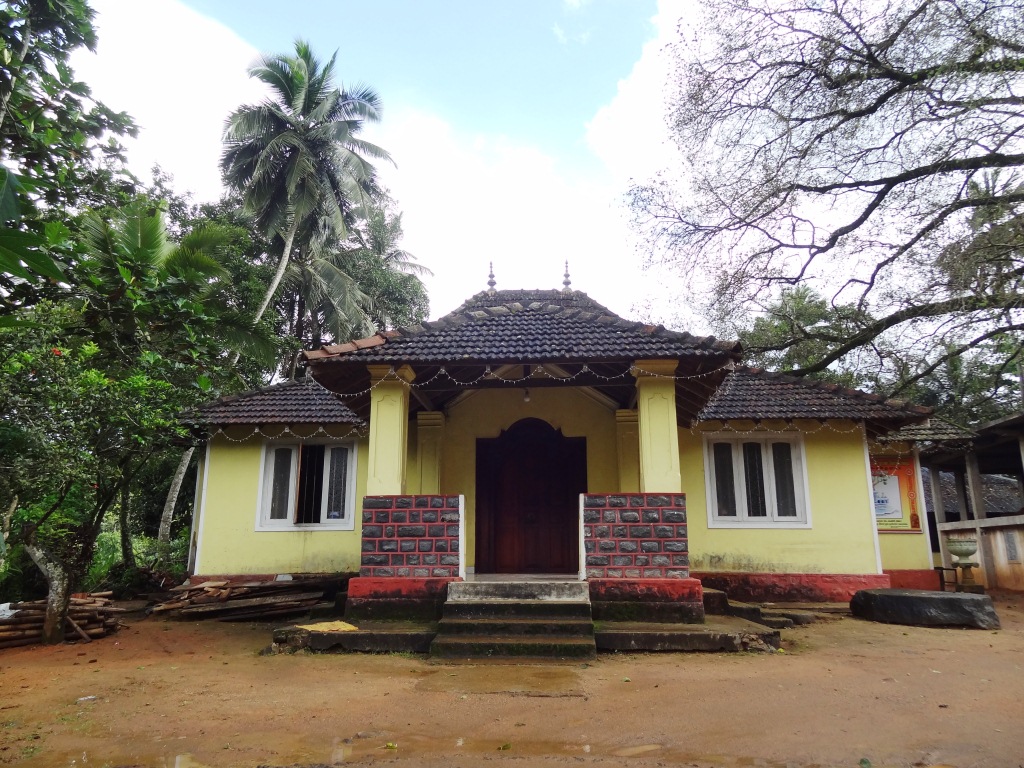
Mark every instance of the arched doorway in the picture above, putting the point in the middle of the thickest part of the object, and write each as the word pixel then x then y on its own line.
pixel 528 482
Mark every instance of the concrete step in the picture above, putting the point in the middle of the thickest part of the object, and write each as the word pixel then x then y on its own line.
pixel 529 646
pixel 561 591
pixel 493 609
pixel 513 626
pixel 796 618
pixel 721 633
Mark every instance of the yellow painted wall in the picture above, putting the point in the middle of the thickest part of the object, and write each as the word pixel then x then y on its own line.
pixel 228 540
pixel 841 536
pixel 485 413
pixel 904 550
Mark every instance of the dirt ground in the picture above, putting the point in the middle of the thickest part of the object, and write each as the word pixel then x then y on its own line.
pixel 163 693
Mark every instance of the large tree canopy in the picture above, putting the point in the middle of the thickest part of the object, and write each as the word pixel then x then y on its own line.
pixel 869 150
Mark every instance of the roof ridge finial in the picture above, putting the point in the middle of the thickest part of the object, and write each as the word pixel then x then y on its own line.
pixel 567 282
pixel 490 280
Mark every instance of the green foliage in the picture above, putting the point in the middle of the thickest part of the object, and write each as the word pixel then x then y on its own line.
pixel 108 572
pixel 59 147
pixel 297 158
pixel 92 387
pixel 797 330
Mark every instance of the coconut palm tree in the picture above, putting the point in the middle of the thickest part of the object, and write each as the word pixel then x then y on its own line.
pixel 339 290
pixel 296 157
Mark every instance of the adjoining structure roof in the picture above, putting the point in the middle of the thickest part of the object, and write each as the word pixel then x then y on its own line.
pixel 997 446
pixel 935 430
pixel 291 402
pixel 755 394
pixel 527 326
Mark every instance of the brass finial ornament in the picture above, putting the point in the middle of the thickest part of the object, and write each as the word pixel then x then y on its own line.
pixel 567 282
pixel 490 280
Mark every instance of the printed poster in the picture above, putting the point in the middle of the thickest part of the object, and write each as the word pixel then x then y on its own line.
pixel 895 496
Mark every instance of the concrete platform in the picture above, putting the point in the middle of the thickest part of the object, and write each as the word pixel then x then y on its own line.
pixel 370 637
pixel 722 634
pixel 718 633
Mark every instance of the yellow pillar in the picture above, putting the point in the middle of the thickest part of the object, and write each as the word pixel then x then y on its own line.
pixel 627 434
pixel 659 433
pixel 389 426
pixel 430 433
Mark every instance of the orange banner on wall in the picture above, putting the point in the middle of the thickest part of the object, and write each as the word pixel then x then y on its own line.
pixel 895 496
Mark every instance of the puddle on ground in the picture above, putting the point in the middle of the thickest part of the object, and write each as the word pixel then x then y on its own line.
pixel 508 680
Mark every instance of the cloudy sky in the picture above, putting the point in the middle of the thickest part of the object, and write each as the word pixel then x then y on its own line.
pixel 515 126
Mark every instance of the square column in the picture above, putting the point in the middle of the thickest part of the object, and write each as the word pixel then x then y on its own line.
pixel 429 436
pixel 389 428
pixel 659 431
pixel 627 437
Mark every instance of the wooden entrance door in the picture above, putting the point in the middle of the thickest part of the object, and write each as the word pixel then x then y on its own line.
pixel 528 482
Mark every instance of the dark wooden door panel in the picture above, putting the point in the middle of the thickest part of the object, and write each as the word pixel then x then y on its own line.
pixel 527 513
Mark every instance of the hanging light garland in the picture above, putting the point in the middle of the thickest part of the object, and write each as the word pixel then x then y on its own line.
pixel 284 430
pixel 536 372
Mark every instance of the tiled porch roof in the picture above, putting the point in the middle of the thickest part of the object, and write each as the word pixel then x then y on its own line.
pixel 755 394
pixel 291 402
pixel 527 326
pixel 932 431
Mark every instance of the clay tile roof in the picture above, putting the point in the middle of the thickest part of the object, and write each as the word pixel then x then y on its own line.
pixel 751 393
pixel 527 326
pixel 934 430
pixel 291 402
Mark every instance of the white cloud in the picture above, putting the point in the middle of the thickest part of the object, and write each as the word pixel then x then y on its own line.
pixel 472 200
pixel 468 199
pixel 560 34
pixel 179 74
pixel 630 133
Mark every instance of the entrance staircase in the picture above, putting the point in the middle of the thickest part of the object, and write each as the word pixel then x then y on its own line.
pixel 516 620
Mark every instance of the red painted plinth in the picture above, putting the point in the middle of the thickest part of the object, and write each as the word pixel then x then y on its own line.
pixel 647 590
pixel 392 597
pixel 919 578
pixel 792 587
pixel 392 587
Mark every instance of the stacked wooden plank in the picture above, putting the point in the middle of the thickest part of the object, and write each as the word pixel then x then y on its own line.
pixel 250 600
pixel 89 617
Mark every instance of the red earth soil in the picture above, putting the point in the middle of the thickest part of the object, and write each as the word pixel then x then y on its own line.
pixel 165 693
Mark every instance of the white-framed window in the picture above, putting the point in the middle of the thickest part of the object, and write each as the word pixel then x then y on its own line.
pixel 756 481
pixel 307 485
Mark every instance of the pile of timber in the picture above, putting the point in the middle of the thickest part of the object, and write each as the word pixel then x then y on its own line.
pixel 88 617
pixel 250 600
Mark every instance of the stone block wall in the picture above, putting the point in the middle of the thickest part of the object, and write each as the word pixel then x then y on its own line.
pixel 411 537
pixel 636 536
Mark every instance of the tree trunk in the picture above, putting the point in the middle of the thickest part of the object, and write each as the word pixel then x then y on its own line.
pixel 164 535
pixel 15 67
pixel 282 265
pixel 5 531
pixel 58 596
pixel 127 550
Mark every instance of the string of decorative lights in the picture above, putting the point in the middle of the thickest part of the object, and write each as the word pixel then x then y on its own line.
pixel 283 430
pixel 704 427
pixel 535 372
